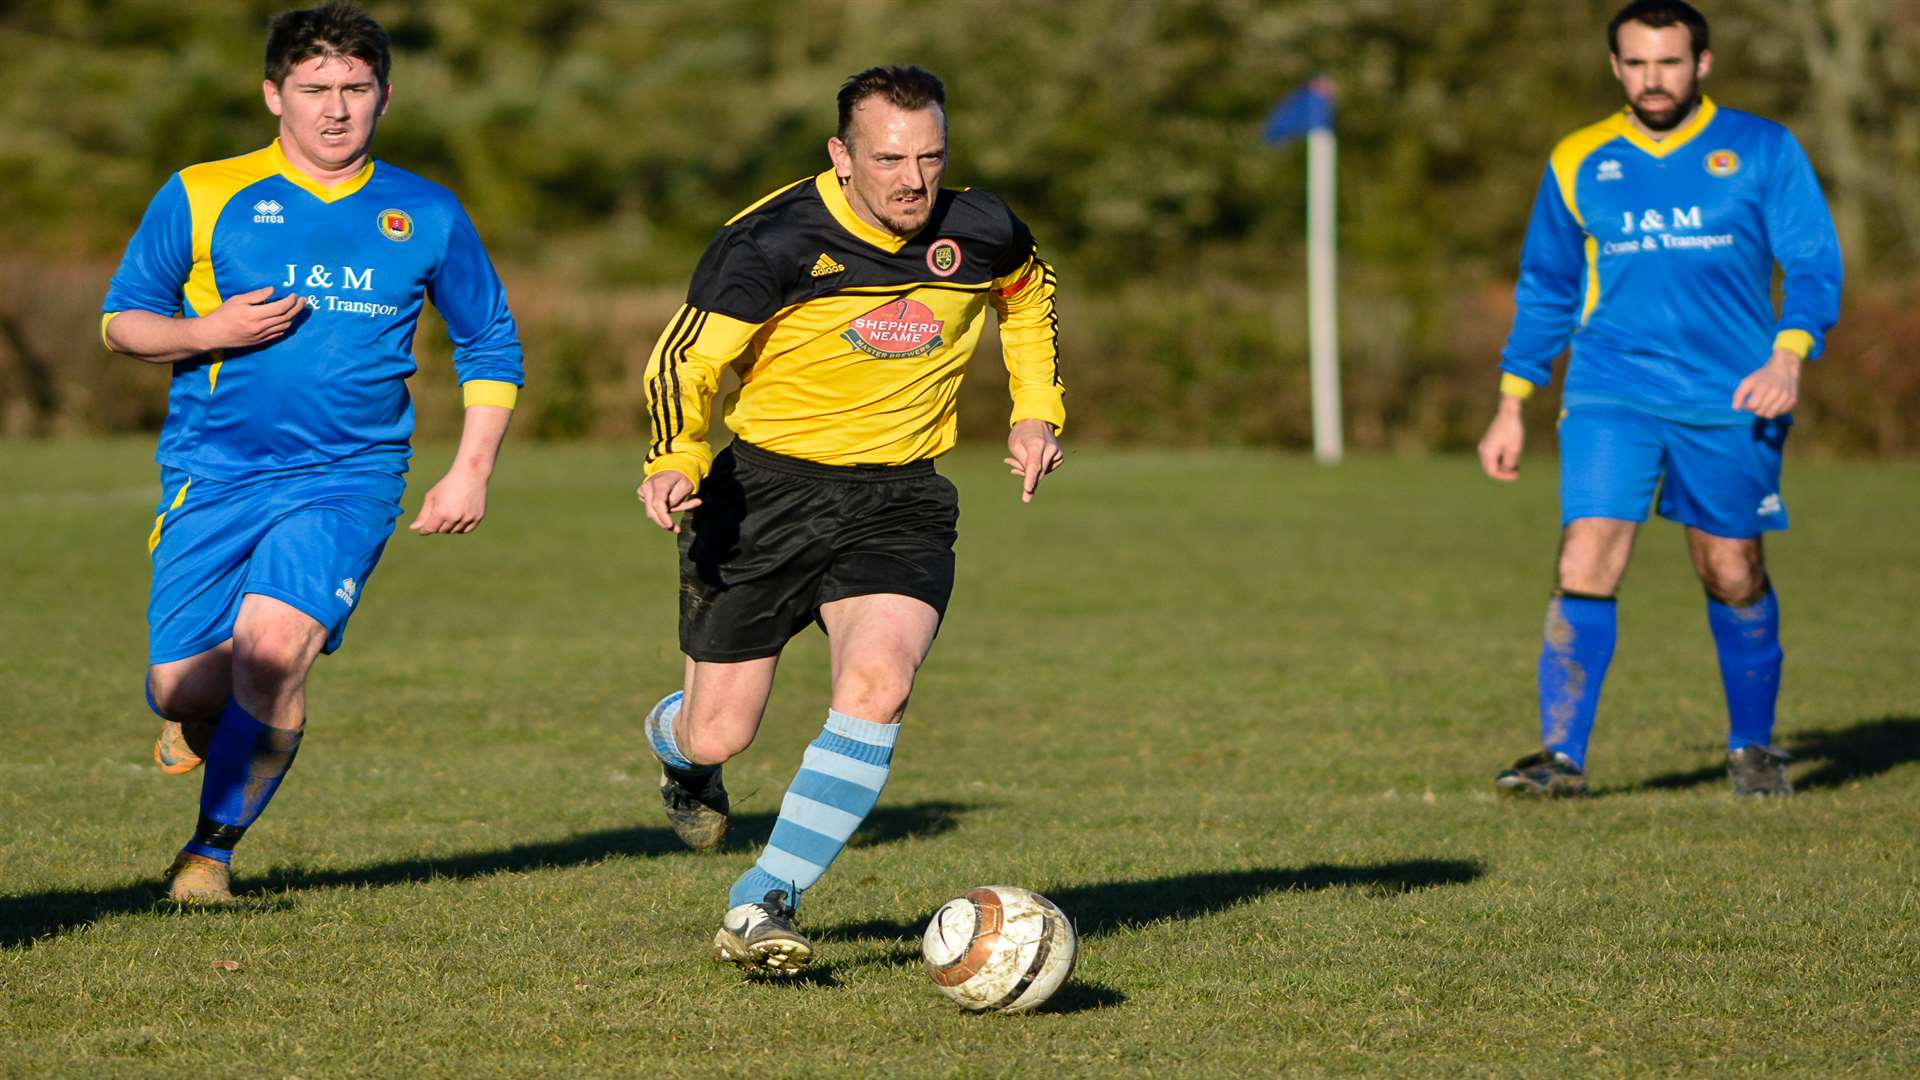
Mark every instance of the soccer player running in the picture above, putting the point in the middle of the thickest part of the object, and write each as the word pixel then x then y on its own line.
pixel 283 287
pixel 1652 246
pixel 849 304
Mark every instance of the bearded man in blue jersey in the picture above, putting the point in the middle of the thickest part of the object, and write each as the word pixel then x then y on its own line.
pixel 1651 249
pixel 284 287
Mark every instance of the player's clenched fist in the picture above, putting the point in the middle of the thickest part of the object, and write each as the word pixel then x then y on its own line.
pixel 1500 447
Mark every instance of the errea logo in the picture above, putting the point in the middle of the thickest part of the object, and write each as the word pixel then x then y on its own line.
pixel 347 591
pixel 268 212
pixel 1609 170
pixel 1770 506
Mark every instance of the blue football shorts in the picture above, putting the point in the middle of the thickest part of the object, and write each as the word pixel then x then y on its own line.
pixel 1720 479
pixel 309 539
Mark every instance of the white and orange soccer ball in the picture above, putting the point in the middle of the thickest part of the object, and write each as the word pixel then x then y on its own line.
pixel 999 948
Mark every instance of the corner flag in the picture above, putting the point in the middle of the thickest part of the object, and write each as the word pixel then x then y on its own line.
pixel 1308 113
pixel 1306 110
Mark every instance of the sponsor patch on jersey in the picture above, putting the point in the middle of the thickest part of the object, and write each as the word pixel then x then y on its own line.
pixel 396 225
pixel 895 329
pixel 825 265
pixel 1723 163
pixel 943 258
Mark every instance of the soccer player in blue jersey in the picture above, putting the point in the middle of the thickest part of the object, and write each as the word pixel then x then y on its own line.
pixel 284 287
pixel 1651 248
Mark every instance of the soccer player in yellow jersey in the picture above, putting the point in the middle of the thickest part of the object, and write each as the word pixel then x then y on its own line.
pixel 848 304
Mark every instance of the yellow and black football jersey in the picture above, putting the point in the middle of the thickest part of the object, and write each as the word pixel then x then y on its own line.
pixel 850 342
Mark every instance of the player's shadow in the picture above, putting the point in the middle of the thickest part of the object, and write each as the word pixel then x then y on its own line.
pixel 25 918
pixel 1103 907
pixel 1838 756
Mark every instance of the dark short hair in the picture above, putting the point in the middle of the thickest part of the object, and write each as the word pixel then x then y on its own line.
pixel 910 87
pixel 1660 14
pixel 338 30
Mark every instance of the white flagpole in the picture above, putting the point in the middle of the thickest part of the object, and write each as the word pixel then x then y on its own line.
pixel 1323 329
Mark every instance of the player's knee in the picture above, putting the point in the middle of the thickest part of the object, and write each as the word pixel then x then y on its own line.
pixel 1587 578
pixel 1736 582
pixel 874 690
pixel 273 655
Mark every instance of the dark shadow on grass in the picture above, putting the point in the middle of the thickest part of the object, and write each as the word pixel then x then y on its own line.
pixel 36 915
pixel 1108 906
pixel 1082 996
pixel 1838 756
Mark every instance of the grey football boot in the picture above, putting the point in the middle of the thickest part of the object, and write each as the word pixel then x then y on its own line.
pixel 1546 774
pixel 1759 770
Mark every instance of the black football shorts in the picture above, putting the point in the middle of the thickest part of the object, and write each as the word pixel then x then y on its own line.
pixel 776 537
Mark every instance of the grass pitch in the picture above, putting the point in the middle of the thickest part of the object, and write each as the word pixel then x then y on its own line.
pixel 1236 713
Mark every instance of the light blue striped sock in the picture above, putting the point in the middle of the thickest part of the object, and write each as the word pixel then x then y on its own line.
pixel 840 779
pixel 660 732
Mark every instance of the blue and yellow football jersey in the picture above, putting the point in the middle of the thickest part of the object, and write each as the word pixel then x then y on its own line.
pixel 364 253
pixel 1656 259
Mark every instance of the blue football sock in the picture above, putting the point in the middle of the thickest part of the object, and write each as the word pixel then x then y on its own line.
pixel 1573 664
pixel 840 779
pixel 1748 639
pixel 245 764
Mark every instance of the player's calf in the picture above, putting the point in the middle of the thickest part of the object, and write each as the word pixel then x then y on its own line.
pixel 693 795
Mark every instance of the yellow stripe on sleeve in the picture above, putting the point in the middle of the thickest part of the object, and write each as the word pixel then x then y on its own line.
pixel 104 320
pixel 502 395
pixel 1797 342
pixel 1514 386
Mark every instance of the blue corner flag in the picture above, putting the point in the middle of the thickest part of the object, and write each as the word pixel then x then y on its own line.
pixel 1307 109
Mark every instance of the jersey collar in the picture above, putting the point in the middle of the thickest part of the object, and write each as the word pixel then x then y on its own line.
pixel 1679 137
pixel 326 193
pixel 828 185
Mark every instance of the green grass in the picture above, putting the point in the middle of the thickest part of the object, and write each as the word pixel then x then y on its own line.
pixel 1236 713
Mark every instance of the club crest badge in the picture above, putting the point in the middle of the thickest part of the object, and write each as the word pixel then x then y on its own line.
pixel 396 225
pixel 943 258
pixel 896 329
pixel 1723 163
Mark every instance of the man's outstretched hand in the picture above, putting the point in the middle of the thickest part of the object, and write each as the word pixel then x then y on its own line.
pixel 1033 452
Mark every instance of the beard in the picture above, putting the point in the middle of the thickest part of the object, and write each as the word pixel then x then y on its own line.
pixel 900 226
pixel 1666 117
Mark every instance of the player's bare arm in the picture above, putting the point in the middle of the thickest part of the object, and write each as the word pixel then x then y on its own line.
pixel 458 503
pixel 666 493
pixel 250 318
pixel 1033 452
pixel 1774 389
pixel 1506 436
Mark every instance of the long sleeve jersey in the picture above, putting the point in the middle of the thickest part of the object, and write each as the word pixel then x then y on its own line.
pixel 364 253
pixel 1656 259
pixel 850 342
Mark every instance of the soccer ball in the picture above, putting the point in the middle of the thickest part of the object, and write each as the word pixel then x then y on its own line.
pixel 999 949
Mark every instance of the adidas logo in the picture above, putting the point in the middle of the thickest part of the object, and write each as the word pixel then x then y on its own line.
pixel 825 265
